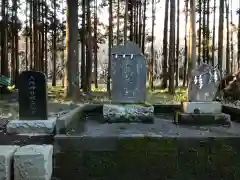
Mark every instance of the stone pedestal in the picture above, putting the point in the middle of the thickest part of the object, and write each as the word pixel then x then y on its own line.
pixel 202 113
pixel 33 162
pixel 202 107
pixel 6 159
pixel 128 113
pixel 202 119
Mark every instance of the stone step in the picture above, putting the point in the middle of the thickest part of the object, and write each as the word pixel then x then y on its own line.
pixel 33 162
pixel 31 126
pixel 6 159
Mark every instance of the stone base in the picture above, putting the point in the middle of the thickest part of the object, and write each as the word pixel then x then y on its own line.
pixel 6 160
pixel 33 162
pixel 128 113
pixel 202 119
pixel 33 126
pixel 202 107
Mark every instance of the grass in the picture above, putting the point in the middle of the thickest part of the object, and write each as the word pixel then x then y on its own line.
pixel 100 95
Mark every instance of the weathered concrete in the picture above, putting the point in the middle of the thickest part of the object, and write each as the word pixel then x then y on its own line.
pixel 202 107
pixel 63 121
pixel 33 162
pixel 219 119
pixel 128 113
pixel 6 159
pixel 33 126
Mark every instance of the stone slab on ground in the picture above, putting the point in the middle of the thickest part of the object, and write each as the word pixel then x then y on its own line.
pixel 128 113
pixel 202 119
pixel 202 107
pixel 31 126
pixel 6 160
pixel 33 162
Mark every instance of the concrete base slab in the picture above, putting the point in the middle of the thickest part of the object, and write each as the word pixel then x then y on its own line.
pixel 6 160
pixel 33 162
pixel 33 126
pixel 202 107
pixel 202 119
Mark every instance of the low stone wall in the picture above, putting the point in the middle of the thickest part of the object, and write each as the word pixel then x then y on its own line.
pixel 151 159
pixel 130 158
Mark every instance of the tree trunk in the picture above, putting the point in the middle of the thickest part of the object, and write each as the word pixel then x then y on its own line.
pixel 140 25
pixel 200 32
pixel 220 34
pixel 238 57
pixel 171 87
pixel 186 46
pixel 231 40
pixel 192 35
pixel 204 31
pixel 83 51
pixel 54 51
pixel 144 25
pixel 4 55
pixel 118 22
pixel 71 79
pixel 207 31
pixel 125 19
pixel 35 36
pixel 110 44
pixel 165 49
pixel 26 37
pixel 213 36
pixel 31 34
pixel 95 46
pixel 46 41
pixel 152 48
pixel 89 49
pixel 227 45
pixel 177 46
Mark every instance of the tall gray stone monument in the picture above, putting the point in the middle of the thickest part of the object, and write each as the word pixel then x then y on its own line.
pixel 129 74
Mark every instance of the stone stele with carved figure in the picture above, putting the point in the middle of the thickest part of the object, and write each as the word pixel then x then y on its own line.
pixel 201 107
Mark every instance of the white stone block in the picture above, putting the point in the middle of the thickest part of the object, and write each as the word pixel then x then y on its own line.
pixel 6 160
pixel 33 162
pixel 31 126
pixel 203 107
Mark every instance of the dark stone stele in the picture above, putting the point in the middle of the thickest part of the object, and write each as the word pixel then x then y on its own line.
pixel 32 92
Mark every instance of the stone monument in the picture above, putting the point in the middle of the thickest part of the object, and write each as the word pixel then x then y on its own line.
pixel 129 91
pixel 202 89
pixel 32 93
pixel 129 74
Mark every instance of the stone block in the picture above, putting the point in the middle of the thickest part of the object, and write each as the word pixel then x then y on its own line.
pixel 202 119
pixel 128 113
pixel 202 107
pixel 6 160
pixel 63 121
pixel 33 162
pixel 31 126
